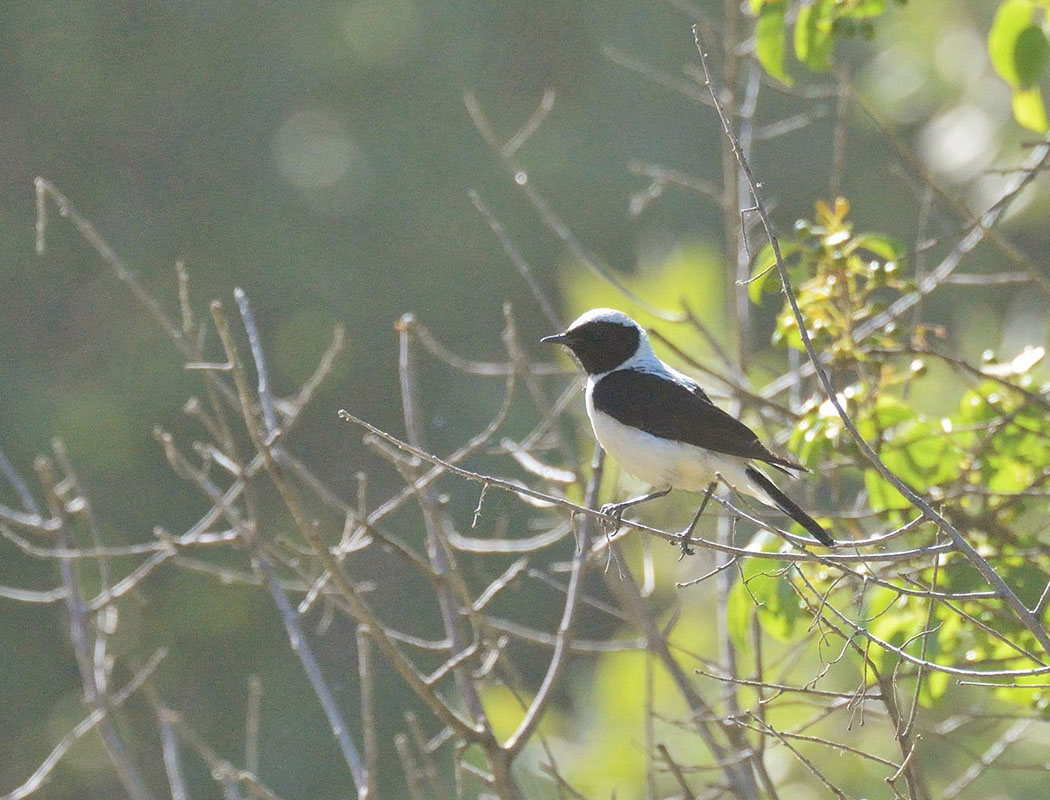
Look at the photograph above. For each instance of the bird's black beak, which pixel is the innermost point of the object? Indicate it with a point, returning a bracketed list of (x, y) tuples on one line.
[(558, 338)]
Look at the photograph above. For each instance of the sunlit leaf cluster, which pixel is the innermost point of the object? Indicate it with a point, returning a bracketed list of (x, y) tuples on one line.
[(986, 461), (842, 278), (817, 25), (1018, 43), (1019, 50)]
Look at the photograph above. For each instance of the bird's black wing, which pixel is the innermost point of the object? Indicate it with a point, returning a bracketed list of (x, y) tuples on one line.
[(672, 409)]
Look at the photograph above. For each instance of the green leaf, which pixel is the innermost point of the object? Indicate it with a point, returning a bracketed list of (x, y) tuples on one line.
[(882, 496), (1029, 110), (868, 8), (1013, 17), (884, 247), (769, 591), (980, 404), (771, 40), (890, 411), (1010, 476), (814, 42), (921, 455), (1031, 52), (889, 617)]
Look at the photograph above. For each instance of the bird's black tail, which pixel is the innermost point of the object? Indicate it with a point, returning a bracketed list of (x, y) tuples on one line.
[(788, 506)]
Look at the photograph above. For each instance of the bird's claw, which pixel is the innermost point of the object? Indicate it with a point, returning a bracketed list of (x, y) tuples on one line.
[(683, 540), (614, 510)]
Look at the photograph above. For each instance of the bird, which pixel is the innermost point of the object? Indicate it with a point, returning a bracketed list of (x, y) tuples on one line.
[(661, 426)]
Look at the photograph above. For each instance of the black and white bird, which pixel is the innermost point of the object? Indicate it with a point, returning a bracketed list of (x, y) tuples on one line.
[(661, 426)]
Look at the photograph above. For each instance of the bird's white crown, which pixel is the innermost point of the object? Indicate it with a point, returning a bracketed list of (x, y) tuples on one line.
[(605, 315)]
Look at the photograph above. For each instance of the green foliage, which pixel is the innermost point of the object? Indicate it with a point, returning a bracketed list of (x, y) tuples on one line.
[(817, 25), (1016, 450), (842, 278), (1019, 50), (1018, 43), (771, 40), (981, 461), (763, 589), (994, 439)]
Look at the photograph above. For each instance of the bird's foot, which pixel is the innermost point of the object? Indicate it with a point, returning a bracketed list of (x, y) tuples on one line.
[(614, 510), (683, 540)]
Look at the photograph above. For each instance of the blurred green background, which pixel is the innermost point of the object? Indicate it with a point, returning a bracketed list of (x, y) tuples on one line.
[(319, 154)]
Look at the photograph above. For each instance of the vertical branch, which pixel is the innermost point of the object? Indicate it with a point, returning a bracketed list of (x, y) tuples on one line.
[(758, 760), (255, 344), (370, 732), (408, 765), (264, 566), (79, 630), (21, 488), (739, 777), (736, 205), (723, 585), (563, 637), (172, 760), (440, 559), (252, 724), (730, 174), (301, 648)]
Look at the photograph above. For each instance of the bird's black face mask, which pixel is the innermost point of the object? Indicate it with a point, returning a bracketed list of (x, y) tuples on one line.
[(599, 346)]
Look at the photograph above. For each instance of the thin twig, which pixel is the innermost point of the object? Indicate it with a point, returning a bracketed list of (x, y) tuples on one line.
[(255, 345)]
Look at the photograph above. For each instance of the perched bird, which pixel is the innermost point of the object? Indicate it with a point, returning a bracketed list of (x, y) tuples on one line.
[(661, 426)]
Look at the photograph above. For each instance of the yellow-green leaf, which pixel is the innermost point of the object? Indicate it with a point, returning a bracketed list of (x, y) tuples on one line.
[(1010, 20), (767, 591), (882, 496), (884, 247), (813, 36), (1029, 109), (771, 40)]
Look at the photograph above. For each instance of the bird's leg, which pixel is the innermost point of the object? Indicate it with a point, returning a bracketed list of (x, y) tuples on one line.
[(683, 537), (616, 509)]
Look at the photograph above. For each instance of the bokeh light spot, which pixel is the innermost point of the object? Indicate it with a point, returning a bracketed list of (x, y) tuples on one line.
[(313, 150), (959, 143), (382, 32)]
